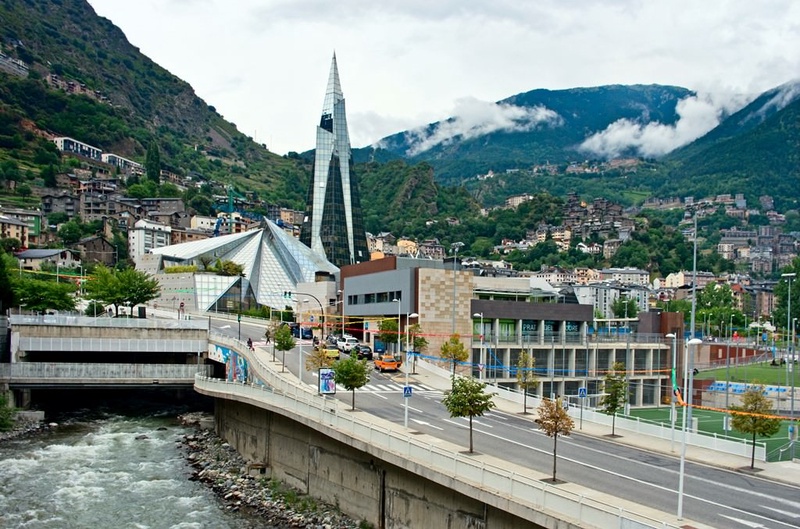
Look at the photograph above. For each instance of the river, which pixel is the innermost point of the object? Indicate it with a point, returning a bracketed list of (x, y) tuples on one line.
[(117, 472)]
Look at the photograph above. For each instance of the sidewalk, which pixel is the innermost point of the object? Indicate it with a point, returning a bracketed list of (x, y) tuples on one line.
[(784, 471)]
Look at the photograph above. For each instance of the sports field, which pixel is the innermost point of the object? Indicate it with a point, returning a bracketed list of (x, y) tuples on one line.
[(761, 373), (711, 423)]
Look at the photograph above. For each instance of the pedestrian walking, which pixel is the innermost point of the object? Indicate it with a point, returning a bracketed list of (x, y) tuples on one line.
[(250, 344), (267, 335)]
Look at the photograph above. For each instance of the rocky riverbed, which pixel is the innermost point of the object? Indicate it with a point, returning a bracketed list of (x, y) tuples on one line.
[(220, 467)]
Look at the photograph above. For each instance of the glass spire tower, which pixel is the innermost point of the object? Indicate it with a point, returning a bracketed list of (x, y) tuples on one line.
[(333, 224)]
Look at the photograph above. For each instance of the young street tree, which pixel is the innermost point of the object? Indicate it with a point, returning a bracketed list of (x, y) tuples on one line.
[(526, 376), (284, 341), (615, 387), (624, 307), (40, 296), (317, 359), (453, 350), (387, 332), (352, 374), (754, 416), (467, 399), (554, 421), (120, 288), (137, 287)]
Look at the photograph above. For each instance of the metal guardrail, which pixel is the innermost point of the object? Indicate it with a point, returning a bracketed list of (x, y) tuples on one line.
[(33, 343), (282, 392), (88, 321)]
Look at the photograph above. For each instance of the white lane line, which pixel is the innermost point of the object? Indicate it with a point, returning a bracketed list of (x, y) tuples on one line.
[(649, 484), (426, 424)]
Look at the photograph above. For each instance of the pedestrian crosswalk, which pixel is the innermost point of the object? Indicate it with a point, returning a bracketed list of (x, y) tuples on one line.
[(395, 388)]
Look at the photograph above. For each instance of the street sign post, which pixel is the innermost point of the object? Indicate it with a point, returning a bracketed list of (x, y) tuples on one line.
[(407, 391)]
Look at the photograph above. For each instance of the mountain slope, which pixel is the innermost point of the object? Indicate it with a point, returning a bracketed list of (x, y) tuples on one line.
[(754, 151), (67, 38), (535, 127)]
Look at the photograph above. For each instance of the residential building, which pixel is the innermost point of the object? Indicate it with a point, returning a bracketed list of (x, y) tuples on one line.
[(626, 276), (333, 225), (96, 249), (58, 257), (146, 236), (14, 228), (74, 146)]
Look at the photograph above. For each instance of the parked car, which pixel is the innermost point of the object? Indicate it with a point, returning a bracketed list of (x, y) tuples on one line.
[(362, 352), (297, 331)]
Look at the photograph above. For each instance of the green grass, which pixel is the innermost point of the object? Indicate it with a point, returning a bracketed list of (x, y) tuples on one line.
[(761, 373), (711, 423)]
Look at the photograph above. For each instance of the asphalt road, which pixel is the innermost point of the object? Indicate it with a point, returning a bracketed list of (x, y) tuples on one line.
[(713, 496)]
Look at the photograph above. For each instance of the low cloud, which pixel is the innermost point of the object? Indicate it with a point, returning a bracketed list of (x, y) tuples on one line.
[(697, 115), (786, 94), (474, 118)]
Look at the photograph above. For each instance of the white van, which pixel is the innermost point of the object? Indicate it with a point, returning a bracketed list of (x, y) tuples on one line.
[(346, 344)]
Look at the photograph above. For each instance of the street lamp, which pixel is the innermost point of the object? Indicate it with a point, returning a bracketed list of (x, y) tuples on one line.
[(455, 247), (340, 293), (396, 300), (672, 399), (408, 367), (728, 366), (688, 403), (300, 346), (482, 359)]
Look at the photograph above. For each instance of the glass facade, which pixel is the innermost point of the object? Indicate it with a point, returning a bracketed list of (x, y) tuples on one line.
[(333, 224)]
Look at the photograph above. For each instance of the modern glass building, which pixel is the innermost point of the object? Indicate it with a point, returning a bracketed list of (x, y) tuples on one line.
[(333, 224)]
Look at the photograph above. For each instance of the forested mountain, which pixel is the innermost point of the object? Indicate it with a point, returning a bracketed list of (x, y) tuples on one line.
[(121, 101), (536, 127), (757, 148)]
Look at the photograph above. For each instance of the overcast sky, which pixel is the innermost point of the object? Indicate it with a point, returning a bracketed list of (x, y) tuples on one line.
[(404, 63)]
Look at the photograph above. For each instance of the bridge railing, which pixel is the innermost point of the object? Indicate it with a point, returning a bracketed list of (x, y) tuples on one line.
[(89, 321), (283, 393), (27, 371)]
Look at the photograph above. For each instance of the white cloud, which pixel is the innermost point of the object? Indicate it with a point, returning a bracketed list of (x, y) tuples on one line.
[(409, 61), (473, 118), (697, 115)]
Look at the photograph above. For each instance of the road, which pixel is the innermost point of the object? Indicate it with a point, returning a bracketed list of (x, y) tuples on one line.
[(712, 495)]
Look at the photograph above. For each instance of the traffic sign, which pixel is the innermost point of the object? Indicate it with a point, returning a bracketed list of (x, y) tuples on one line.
[(406, 391), (311, 318), (181, 304), (582, 393)]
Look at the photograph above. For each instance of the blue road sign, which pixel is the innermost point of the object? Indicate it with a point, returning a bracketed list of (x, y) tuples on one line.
[(406, 391), (582, 393)]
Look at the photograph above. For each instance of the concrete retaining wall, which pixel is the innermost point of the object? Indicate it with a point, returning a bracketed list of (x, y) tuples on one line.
[(362, 486)]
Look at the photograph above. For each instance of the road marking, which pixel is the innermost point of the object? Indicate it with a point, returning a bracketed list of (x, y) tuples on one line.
[(748, 523), (641, 482), (785, 513), (426, 424)]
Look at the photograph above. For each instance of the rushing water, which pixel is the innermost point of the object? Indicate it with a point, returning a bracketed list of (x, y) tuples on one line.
[(99, 475)]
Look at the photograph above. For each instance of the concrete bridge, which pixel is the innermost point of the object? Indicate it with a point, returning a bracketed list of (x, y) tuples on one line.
[(65, 351), (379, 472)]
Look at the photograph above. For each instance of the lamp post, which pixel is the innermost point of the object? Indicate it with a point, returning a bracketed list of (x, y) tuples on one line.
[(300, 346), (455, 247), (794, 368), (396, 300), (405, 412), (340, 293), (481, 357), (688, 402), (672, 397), (693, 315), (728, 367), (789, 278)]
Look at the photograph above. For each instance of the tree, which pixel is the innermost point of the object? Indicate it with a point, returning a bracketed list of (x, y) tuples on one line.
[(317, 359), (388, 331), (70, 232), (755, 416), (615, 387), (526, 376), (137, 287), (554, 421), (48, 175), (104, 286), (419, 344), (624, 307), (40, 296), (453, 350), (467, 399), (352, 374), (6, 291), (10, 244), (152, 163), (284, 342), (24, 190)]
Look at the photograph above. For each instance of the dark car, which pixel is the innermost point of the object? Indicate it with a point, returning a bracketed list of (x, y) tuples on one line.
[(306, 332), (363, 352)]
